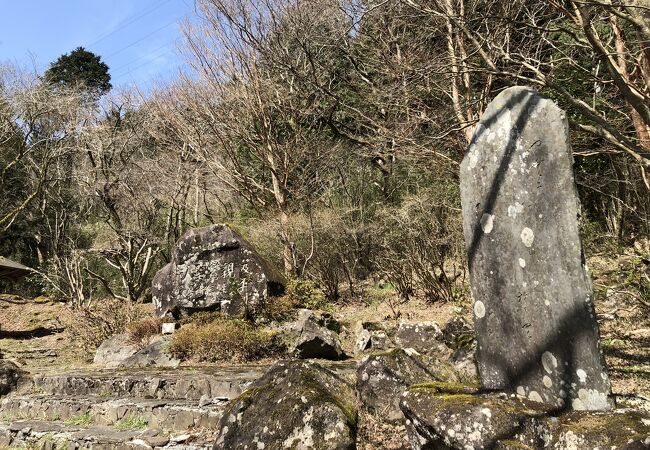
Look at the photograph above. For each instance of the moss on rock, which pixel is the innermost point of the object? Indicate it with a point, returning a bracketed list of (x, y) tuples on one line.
[(296, 404)]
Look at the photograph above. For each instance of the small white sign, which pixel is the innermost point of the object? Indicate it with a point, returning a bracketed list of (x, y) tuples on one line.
[(168, 328)]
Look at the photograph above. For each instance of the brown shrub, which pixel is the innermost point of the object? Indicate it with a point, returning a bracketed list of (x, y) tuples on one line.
[(279, 309), (222, 340), (90, 326), (141, 331), (203, 318)]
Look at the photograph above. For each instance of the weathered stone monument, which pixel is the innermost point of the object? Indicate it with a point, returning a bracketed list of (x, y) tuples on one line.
[(535, 322), (214, 269)]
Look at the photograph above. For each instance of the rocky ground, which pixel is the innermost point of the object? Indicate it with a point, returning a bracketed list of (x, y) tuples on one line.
[(67, 399)]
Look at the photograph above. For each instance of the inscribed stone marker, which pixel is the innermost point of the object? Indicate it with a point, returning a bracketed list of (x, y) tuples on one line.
[(535, 322)]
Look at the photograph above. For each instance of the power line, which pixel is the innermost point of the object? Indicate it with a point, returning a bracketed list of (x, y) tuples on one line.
[(132, 69), (142, 38), (160, 74), (150, 53), (129, 21)]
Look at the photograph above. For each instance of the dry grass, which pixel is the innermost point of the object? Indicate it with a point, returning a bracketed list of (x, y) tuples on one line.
[(374, 434), (141, 331), (222, 340)]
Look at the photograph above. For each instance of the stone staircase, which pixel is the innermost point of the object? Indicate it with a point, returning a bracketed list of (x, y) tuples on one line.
[(101, 409)]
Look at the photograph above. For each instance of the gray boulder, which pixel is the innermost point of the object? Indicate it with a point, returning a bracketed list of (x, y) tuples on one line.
[(316, 341), (371, 336), (458, 334), (424, 337), (363, 341), (533, 301), (114, 350), (441, 415), (154, 354), (440, 419), (313, 334), (214, 268), (10, 375), (619, 429), (296, 404), (383, 377)]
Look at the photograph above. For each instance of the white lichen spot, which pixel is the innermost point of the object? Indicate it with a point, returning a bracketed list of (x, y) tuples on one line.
[(486, 412), (547, 381), (487, 223), (577, 404), (549, 362), (535, 397), (522, 262), (527, 236), (515, 209), (591, 399), (479, 309), (473, 159), (582, 375)]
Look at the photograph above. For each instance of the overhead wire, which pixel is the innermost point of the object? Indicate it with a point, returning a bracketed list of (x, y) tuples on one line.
[(142, 38), (139, 15), (126, 65), (129, 21), (132, 69)]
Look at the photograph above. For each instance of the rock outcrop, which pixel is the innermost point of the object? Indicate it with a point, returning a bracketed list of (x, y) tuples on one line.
[(443, 415), (315, 335), (10, 375), (296, 404), (457, 419), (383, 377), (214, 268), (114, 350), (424, 337), (119, 351), (371, 336), (154, 354)]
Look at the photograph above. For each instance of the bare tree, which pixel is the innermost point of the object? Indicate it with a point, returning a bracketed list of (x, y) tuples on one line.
[(539, 42), (39, 126), (118, 173), (245, 117)]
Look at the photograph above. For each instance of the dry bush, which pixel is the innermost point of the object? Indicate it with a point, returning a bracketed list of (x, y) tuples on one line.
[(305, 294), (222, 340), (300, 293), (200, 318), (421, 246), (279, 309), (141, 331), (91, 326)]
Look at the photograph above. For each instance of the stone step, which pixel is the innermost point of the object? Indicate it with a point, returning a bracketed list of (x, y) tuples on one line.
[(168, 415), (179, 384), (42, 435)]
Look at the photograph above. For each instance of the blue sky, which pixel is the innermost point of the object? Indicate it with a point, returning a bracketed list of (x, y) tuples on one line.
[(138, 39)]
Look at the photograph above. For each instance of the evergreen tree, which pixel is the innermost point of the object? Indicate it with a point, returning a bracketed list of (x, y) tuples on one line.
[(80, 66)]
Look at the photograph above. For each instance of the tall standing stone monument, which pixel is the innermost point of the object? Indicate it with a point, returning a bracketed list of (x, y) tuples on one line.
[(533, 312)]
